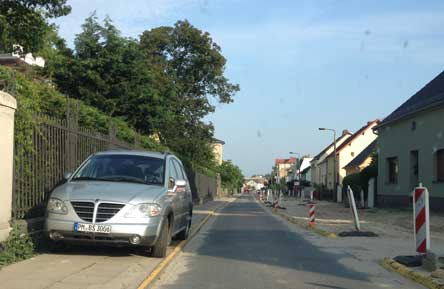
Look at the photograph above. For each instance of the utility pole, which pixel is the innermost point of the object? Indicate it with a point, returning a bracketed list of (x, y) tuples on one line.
[(298, 172)]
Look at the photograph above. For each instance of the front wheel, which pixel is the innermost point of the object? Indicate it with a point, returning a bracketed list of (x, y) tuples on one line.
[(185, 233), (160, 247)]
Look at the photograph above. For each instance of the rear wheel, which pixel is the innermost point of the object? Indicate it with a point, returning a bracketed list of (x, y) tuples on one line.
[(160, 247), (183, 235)]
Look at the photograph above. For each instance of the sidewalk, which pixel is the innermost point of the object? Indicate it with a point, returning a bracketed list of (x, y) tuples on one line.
[(394, 227), (91, 267), (398, 223)]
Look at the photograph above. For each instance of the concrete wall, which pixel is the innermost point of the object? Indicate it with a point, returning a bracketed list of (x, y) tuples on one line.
[(8, 106), (398, 140), (203, 187)]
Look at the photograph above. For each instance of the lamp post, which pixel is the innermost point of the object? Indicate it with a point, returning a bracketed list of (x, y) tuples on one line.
[(298, 161), (334, 157), (298, 173)]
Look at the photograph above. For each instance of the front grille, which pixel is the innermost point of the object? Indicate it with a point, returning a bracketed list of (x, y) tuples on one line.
[(106, 211), (84, 210)]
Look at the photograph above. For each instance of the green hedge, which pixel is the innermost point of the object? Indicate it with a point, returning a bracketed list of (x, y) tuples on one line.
[(39, 97), (359, 181)]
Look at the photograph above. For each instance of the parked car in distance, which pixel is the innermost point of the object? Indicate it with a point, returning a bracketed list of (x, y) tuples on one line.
[(132, 198)]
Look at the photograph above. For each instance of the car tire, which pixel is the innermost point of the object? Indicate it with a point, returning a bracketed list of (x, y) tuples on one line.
[(160, 247), (183, 235)]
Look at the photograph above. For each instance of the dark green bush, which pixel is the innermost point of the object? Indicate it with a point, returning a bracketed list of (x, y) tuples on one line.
[(17, 247)]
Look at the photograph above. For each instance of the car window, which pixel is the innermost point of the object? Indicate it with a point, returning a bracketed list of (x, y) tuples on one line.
[(179, 169), (121, 167), (173, 174)]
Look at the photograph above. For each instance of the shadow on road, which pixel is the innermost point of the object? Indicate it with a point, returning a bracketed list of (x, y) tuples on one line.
[(109, 250), (244, 231)]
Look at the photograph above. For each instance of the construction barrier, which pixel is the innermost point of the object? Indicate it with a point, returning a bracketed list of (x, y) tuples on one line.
[(270, 196), (421, 221), (351, 199), (311, 215)]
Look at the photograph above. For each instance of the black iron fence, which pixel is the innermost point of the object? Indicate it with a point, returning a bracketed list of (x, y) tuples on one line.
[(58, 146)]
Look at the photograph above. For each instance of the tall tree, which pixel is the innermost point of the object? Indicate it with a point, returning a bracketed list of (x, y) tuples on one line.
[(195, 66), (164, 84), (24, 22), (231, 175)]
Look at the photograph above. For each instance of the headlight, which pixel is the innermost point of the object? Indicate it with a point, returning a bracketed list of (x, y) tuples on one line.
[(143, 211), (57, 206)]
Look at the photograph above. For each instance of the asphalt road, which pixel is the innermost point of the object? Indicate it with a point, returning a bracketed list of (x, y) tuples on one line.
[(245, 246), (90, 267)]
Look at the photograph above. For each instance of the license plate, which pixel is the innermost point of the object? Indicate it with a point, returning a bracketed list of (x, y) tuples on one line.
[(92, 228)]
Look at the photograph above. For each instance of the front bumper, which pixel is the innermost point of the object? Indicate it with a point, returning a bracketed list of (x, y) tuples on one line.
[(120, 232)]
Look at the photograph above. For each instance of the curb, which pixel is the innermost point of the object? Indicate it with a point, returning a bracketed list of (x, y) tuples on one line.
[(167, 260), (392, 265), (318, 231)]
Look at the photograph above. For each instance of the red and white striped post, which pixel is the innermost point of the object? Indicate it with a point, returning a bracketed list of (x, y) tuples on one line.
[(311, 215), (421, 221)]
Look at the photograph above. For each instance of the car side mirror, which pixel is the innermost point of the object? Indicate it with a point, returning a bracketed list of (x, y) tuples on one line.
[(67, 175), (180, 186)]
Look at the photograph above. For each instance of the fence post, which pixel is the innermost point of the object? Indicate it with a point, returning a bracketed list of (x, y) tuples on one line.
[(8, 105), (112, 136), (72, 123), (136, 141)]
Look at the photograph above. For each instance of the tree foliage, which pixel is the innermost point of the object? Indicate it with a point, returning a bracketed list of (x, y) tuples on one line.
[(25, 22), (359, 181), (231, 176), (163, 84)]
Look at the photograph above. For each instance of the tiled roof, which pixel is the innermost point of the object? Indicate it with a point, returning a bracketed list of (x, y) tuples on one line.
[(362, 156), (306, 170), (356, 134), (327, 147), (430, 96), (218, 141), (291, 160)]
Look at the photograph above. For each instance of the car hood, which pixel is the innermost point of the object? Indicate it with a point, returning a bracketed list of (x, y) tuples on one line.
[(108, 191)]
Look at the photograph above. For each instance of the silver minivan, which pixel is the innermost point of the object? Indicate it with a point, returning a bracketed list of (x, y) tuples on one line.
[(132, 198)]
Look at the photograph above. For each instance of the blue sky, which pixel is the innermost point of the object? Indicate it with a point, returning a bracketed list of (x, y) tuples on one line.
[(300, 64)]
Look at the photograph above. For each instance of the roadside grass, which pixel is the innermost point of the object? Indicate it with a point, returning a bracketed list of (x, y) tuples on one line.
[(304, 225), (19, 246), (427, 281)]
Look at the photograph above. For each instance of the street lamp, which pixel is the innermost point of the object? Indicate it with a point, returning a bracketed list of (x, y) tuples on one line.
[(334, 156)]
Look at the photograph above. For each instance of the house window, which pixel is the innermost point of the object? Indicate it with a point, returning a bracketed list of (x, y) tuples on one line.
[(352, 154), (413, 125), (440, 165), (393, 169)]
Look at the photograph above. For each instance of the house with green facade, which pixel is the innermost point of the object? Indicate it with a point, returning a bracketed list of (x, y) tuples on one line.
[(411, 148)]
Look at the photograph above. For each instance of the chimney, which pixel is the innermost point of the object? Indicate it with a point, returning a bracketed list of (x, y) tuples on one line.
[(345, 131)]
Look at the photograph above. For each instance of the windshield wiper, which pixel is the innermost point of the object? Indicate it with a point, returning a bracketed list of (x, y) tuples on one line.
[(87, 179), (123, 179)]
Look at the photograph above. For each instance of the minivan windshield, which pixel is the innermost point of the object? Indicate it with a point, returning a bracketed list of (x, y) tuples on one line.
[(122, 168)]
